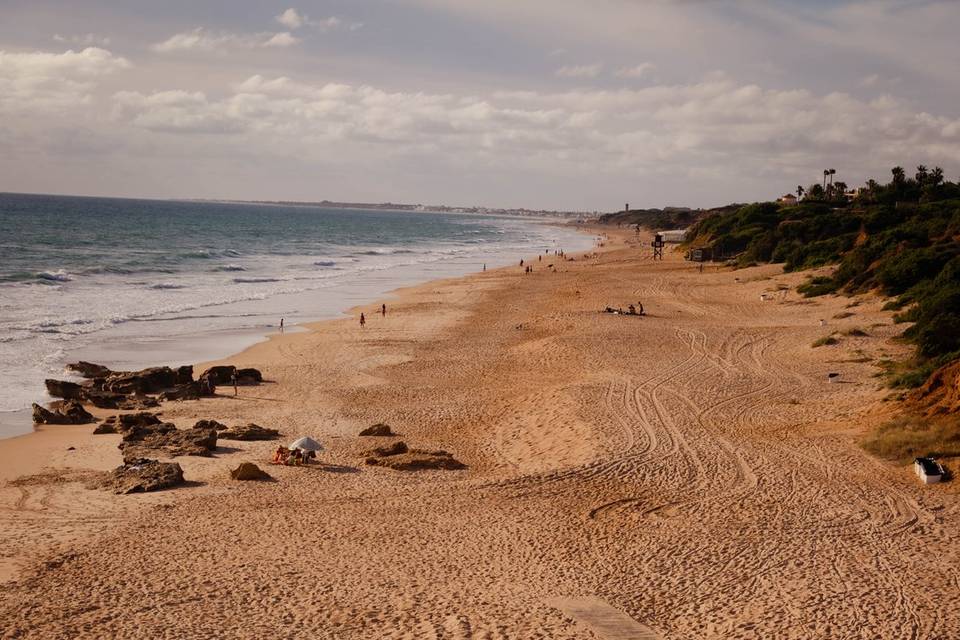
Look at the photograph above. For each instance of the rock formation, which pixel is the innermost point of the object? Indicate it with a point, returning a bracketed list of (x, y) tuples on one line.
[(249, 432), (249, 471), (71, 412), (379, 429), (141, 475)]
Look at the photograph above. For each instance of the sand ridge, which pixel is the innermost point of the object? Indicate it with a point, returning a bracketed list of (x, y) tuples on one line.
[(691, 468)]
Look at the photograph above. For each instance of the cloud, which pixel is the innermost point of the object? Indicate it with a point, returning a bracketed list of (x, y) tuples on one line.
[(201, 39), (717, 127), (53, 81), (291, 19), (637, 71), (579, 71), (86, 39)]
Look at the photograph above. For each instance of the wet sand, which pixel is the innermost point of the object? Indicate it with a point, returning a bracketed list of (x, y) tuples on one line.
[(692, 469)]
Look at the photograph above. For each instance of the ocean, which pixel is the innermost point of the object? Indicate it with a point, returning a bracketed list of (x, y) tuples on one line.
[(135, 283)]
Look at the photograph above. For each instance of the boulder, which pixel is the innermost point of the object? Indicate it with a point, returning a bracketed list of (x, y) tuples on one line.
[(104, 399), (152, 380), (379, 429), (185, 374), (219, 375), (64, 389), (188, 391), (249, 432), (249, 376), (394, 449), (89, 369), (141, 475), (416, 459), (210, 424), (137, 403), (249, 471), (68, 413), (139, 432), (124, 422), (187, 442)]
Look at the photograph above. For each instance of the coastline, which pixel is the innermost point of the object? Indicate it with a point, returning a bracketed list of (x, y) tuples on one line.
[(122, 350), (652, 462)]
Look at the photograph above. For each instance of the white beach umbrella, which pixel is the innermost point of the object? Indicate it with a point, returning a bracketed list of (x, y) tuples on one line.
[(306, 443)]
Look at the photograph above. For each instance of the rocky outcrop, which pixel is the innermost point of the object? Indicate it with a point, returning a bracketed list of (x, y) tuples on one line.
[(162, 439), (389, 450), (151, 380), (71, 412), (249, 376), (210, 424), (137, 403), (188, 391), (249, 471), (219, 375), (124, 422), (379, 429), (416, 459), (249, 432), (89, 369), (64, 389), (138, 475), (222, 375)]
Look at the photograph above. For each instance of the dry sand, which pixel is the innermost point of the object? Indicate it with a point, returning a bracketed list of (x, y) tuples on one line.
[(692, 469)]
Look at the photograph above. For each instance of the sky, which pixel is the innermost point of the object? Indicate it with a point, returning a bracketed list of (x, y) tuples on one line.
[(546, 104)]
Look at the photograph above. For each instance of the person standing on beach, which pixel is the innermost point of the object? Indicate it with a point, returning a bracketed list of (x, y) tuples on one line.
[(521, 262), (383, 310), (281, 325), (363, 321), (233, 378)]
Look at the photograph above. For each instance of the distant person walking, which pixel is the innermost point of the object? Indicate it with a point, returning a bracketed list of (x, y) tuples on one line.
[(233, 379), (521, 262), (281, 325), (484, 266), (363, 321), (383, 310)]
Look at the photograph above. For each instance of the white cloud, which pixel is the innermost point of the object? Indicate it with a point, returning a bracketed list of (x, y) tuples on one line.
[(291, 19), (714, 127), (42, 80), (86, 39), (637, 71), (579, 71), (201, 39)]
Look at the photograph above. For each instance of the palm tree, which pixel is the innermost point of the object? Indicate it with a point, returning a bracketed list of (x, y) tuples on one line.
[(832, 173), (937, 176), (899, 175), (799, 191), (826, 172), (922, 174), (840, 189)]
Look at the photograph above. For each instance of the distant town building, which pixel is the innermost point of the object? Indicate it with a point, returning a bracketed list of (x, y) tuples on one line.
[(787, 199)]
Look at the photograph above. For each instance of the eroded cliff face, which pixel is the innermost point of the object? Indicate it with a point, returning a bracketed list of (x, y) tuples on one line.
[(940, 394)]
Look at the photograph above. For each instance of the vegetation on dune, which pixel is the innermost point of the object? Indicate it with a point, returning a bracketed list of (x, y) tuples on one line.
[(908, 437), (901, 239), (662, 219)]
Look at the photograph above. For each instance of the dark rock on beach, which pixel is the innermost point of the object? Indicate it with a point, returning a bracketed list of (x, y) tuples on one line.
[(138, 475), (249, 432), (166, 439), (64, 389), (249, 376), (249, 471), (390, 450), (67, 413), (379, 429), (89, 369), (416, 459), (124, 422), (210, 424), (219, 375)]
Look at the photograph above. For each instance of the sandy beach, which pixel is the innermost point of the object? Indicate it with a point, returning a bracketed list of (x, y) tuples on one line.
[(692, 469)]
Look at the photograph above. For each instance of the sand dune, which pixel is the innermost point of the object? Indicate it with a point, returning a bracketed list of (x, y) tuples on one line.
[(692, 469)]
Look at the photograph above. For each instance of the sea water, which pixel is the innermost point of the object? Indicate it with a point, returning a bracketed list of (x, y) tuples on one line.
[(135, 283)]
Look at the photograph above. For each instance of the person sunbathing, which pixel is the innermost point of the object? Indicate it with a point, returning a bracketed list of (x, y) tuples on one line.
[(280, 455)]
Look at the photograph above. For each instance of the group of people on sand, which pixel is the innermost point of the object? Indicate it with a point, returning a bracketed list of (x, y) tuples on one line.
[(631, 310), (293, 458), (363, 318)]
